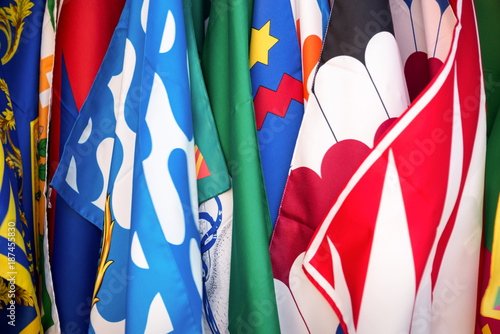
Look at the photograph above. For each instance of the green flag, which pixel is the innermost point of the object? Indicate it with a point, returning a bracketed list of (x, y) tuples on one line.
[(200, 9), (225, 61), (211, 171), (489, 30)]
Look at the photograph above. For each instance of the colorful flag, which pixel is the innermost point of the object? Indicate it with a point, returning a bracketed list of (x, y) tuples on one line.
[(129, 166), (83, 33), (337, 132), (19, 253), (225, 63), (424, 30), (50, 318), (398, 251), (276, 74), (489, 30)]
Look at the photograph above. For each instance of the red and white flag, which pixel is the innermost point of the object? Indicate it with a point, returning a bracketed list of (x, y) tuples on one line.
[(398, 251), (357, 90)]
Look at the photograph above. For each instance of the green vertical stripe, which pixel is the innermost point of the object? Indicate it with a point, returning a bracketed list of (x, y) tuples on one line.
[(47, 320), (489, 34), (205, 132), (50, 6), (252, 301)]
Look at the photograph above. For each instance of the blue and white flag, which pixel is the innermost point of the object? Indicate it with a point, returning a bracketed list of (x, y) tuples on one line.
[(129, 168)]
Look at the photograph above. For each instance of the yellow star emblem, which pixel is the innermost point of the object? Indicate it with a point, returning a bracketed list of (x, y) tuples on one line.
[(261, 42)]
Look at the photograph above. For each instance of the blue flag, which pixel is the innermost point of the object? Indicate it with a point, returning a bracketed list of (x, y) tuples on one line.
[(276, 73), (19, 249), (129, 168)]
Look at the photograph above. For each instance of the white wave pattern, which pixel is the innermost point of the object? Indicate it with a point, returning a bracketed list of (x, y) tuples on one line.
[(144, 15), (158, 318), (119, 85), (159, 117), (168, 38), (103, 326), (137, 254), (86, 132), (71, 175), (104, 163)]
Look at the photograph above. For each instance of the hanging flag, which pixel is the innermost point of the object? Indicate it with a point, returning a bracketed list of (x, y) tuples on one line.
[(311, 19), (83, 33), (489, 30), (276, 74), (200, 10), (337, 132), (407, 261), (225, 63), (19, 253), (214, 196), (211, 171), (129, 167), (50, 318), (424, 30)]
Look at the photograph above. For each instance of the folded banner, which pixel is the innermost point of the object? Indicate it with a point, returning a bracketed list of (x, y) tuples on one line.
[(357, 91), (20, 34), (211, 171), (276, 74), (406, 229), (129, 168), (74, 241), (225, 63)]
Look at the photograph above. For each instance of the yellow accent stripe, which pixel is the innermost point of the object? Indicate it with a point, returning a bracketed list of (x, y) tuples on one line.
[(34, 187), (23, 277), (34, 327), (199, 161), (11, 217), (486, 329), (490, 295)]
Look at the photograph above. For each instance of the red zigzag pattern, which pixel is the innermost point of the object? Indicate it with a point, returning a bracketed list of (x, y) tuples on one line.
[(276, 102)]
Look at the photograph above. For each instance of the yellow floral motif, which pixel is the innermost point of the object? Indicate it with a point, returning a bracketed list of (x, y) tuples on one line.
[(7, 121), (12, 24), (21, 295), (7, 124), (4, 293), (106, 245)]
